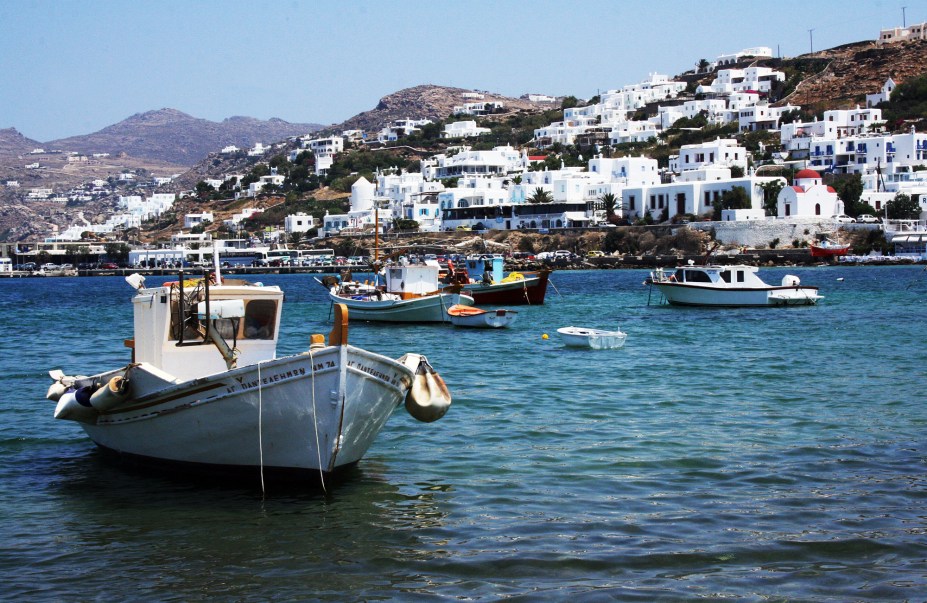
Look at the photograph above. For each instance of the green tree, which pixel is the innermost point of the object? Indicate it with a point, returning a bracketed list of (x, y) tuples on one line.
[(771, 191), (735, 198), (609, 200), (540, 196), (569, 102), (204, 190), (903, 207), (849, 188)]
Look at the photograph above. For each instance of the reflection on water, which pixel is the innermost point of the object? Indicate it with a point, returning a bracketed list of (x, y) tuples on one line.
[(773, 453)]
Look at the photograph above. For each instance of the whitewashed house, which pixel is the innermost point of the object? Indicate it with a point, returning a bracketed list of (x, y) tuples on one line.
[(693, 192), (918, 31), (883, 95), (324, 151), (757, 52), (465, 162), (719, 152), (298, 222), (463, 129), (194, 220)]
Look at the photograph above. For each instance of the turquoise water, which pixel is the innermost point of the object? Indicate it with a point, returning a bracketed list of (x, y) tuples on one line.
[(752, 453)]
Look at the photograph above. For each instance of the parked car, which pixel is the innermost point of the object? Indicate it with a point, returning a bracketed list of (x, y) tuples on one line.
[(108, 266), (842, 219), (867, 219)]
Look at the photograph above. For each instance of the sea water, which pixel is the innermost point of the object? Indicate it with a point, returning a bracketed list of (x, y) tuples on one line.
[(770, 453)]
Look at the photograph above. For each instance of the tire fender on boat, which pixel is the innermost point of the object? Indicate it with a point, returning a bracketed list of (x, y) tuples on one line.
[(111, 394), (428, 397)]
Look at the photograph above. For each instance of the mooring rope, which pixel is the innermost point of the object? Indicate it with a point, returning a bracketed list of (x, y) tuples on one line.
[(315, 423), (261, 428)]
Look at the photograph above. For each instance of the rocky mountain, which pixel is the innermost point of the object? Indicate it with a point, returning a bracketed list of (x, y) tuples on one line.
[(14, 143), (854, 70), (424, 102), (175, 137)]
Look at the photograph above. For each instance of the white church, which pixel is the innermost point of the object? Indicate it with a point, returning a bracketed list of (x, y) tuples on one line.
[(808, 197)]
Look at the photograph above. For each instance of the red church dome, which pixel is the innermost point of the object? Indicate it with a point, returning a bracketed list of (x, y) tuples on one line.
[(806, 174)]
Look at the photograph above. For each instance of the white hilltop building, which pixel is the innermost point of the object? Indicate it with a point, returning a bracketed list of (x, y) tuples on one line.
[(808, 197), (478, 108), (466, 162), (797, 138), (719, 152), (298, 223), (882, 95), (729, 81), (917, 31), (758, 52), (273, 179), (463, 129), (400, 129), (194, 220), (608, 120), (324, 151)]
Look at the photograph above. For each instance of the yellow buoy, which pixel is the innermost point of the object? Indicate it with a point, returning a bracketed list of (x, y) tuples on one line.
[(544, 336)]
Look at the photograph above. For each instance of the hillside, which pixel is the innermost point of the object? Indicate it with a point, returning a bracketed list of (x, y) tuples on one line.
[(854, 70), (14, 143), (423, 102), (174, 137)]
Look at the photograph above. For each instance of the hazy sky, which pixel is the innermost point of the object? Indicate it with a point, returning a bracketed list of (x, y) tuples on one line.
[(70, 67)]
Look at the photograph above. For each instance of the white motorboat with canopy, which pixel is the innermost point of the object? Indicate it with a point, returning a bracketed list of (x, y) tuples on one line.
[(205, 387), (730, 286)]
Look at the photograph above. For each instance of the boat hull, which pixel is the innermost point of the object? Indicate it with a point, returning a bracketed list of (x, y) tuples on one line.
[(682, 294), (481, 319), (430, 308), (530, 291), (828, 252), (305, 412), (595, 339)]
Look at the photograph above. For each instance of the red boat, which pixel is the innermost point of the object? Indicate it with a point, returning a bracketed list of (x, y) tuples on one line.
[(518, 288), (491, 288), (828, 249)]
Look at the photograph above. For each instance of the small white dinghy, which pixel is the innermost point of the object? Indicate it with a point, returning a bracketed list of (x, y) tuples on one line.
[(596, 339), (469, 316)]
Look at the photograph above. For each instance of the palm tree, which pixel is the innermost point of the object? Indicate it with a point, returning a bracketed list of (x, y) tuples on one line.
[(609, 200), (541, 196)]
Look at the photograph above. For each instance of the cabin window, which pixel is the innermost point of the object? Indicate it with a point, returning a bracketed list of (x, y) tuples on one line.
[(260, 319), (726, 276), (740, 276), (697, 276)]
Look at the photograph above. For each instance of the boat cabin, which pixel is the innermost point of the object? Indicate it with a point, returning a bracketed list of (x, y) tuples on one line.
[(170, 326), (720, 276), (414, 280)]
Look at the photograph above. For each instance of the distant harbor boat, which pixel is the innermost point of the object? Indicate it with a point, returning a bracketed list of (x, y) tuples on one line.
[(729, 286)]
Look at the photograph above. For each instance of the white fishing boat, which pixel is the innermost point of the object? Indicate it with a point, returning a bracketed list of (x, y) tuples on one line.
[(409, 293), (205, 388), (471, 316), (597, 339), (729, 286)]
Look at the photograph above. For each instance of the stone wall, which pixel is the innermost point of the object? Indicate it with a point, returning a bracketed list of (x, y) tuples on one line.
[(759, 233)]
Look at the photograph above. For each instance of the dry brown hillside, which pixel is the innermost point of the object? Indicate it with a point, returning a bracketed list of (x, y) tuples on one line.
[(856, 70)]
